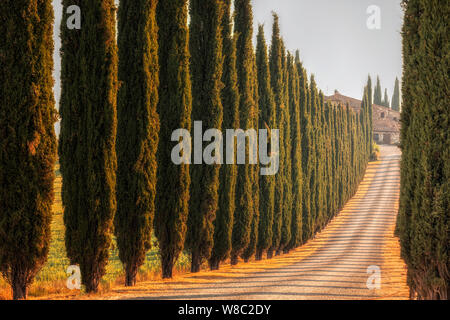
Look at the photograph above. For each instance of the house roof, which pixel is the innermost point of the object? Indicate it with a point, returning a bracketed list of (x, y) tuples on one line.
[(390, 122)]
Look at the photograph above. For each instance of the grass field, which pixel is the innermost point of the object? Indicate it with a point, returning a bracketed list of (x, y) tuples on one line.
[(52, 278)]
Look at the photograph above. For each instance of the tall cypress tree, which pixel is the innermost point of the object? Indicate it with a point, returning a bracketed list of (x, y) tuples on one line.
[(370, 113), (137, 132), (27, 139), (243, 217), (174, 109), (306, 136), (266, 121), (206, 70), (424, 219), (395, 104), (386, 102), (251, 248), (276, 79), (378, 94), (285, 133), (88, 136), (295, 156), (223, 224)]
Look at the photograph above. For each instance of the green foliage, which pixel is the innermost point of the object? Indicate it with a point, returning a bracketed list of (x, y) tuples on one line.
[(27, 139), (423, 221), (88, 136), (223, 224), (137, 132), (395, 105), (276, 79), (174, 109), (266, 121), (296, 180), (377, 96), (386, 102), (245, 65), (206, 71)]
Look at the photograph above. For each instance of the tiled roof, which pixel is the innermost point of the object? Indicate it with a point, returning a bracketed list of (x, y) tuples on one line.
[(390, 122)]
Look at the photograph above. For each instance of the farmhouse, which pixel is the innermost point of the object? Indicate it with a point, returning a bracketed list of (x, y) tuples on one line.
[(386, 122)]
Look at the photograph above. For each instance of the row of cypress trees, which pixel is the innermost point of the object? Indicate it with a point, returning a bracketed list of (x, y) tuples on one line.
[(423, 222), (122, 97)]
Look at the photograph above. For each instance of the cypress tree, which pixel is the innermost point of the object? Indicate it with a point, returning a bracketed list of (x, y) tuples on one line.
[(296, 157), (206, 70), (137, 132), (28, 143), (370, 113), (251, 248), (243, 217), (386, 102), (266, 121), (423, 222), (306, 140), (377, 95), (396, 96), (88, 136), (223, 224), (276, 79), (174, 109), (285, 166)]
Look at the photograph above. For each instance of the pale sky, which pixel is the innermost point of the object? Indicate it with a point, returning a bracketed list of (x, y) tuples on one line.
[(333, 38)]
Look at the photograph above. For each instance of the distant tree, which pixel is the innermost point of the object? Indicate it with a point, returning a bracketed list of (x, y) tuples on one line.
[(137, 132), (386, 102), (396, 96), (174, 109), (27, 139), (377, 96), (266, 121), (223, 224), (206, 70), (88, 137), (243, 217)]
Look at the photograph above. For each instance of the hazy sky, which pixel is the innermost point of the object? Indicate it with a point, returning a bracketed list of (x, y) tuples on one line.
[(333, 38)]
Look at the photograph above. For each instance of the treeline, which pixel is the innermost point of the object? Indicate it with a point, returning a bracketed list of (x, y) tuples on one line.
[(423, 222), (121, 100)]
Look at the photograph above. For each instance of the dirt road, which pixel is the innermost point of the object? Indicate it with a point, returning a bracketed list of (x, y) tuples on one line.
[(332, 266)]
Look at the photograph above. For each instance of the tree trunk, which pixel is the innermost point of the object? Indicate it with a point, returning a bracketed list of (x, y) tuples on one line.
[(130, 276), (270, 253), (258, 254), (234, 259), (196, 261), (214, 264), (19, 287), (166, 267)]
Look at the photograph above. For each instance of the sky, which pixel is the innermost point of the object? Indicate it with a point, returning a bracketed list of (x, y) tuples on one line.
[(332, 36)]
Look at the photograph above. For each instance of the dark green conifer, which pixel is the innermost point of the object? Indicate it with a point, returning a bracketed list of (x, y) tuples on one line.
[(174, 108), (245, 65), (137, 132), (223, 224), (276, 79), (88, 136), (266, 121), (395, 104), (27, 139), (206, 70)]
